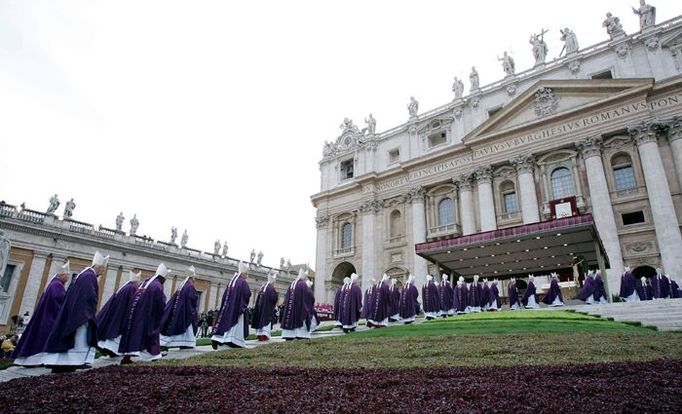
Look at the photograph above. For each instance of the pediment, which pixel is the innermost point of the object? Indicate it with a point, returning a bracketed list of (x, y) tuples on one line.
[(672, 40), (549, 100)]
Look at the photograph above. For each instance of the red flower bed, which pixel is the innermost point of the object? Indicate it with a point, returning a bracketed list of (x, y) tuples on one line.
[(599, 388)]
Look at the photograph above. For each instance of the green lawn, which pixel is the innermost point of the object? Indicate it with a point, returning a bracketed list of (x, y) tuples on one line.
[(488, 339)]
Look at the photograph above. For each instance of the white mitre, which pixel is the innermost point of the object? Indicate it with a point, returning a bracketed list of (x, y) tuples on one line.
[(65, 268), (99, 260), (192, 271), (243, 267), (134, 277), (162, 270)]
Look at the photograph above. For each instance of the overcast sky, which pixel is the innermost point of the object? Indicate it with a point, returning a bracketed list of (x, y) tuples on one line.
[(210, 116)]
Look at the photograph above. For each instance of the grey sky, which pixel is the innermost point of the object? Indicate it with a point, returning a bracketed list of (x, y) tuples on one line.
[(211, 116)]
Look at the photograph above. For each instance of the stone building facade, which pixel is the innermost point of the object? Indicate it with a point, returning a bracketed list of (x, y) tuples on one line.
[(599, 128), (37, 243)]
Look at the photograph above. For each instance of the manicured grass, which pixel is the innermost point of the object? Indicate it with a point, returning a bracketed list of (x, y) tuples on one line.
[(491, 339)]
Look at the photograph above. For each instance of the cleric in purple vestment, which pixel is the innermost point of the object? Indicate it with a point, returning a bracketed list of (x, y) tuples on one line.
[(628, 286), (445, 295), (72, 341), (111, 318), (231, 327), (141, 333), (494, 303), (587, 291), (264, 311), (459, 297), (368, 302), (514, 303), (313, 321), (674, 289), (296, 310), (29, 350), (644, 289), (660, 285), (409, 303), (381, 310), (180, 319), (529, 298), (474, 299), (430, 301), (599, 290), (485, 295), (553, 296), (350, 305), (338, 300), (394, 301)]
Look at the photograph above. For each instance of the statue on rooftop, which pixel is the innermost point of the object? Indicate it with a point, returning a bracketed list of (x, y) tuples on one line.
[(225, 249), (119, 221), (570, 41), (260, 258), (458, 88), (134, 224), (183, 240), (413, 108), (174, 235), (473, 79), (54, 204), (253, 255), (613, 26), (68, 208), (371, 125), (647, 15), (216, 248), (539, 47), (508, 65)]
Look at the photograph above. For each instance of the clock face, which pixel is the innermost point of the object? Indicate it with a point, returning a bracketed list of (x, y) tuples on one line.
[(347, 141)]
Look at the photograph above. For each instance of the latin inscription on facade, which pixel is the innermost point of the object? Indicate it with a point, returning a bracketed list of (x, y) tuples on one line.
[(537, 136)]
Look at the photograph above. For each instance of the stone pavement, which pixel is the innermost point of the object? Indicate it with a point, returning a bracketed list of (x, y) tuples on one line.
[(663, 314)]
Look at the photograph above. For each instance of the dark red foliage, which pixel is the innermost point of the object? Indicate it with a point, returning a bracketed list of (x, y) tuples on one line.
[(598, 388)]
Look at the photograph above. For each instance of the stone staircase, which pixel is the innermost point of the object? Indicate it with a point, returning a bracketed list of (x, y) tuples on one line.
[(663, 314)]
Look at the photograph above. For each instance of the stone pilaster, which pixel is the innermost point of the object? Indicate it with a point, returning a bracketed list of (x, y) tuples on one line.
[(602, 210), (486, 203), (525, 164), (415, 197), (369, 208), (674, 133), (212, 292), (323, 251), (466, 197), (28, 301), (665, 219)]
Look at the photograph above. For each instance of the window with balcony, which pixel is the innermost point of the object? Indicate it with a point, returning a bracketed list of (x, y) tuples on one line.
[(562, 183)]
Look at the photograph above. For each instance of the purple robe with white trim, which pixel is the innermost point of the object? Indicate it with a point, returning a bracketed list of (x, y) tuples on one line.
[(181, 311), (644, 291), (530, 291), (141, 332), (409, 306), (587, 289), (111, 318), (674, 290), (661, 286), (235, 303), (485, 294), (474, 299), (599, 290), (380, 310), (264, 311), (553, 292), (394, 300), (351, 305), (337, 302), (445, 296), (430, 297), (368, 302), (494, 296), (296, 313), (627, 284), (79, 308), (35, 335), (513, 295), (459, 298)]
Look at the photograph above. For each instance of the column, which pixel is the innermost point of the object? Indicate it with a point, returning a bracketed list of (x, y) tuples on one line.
[(33, 283), (369, 209), (675, 140), (486, 203), (466, 198), (602, 210), (212, 293), (665, 220), (109, 282), (529, 199), (321, 254), (416, 198)]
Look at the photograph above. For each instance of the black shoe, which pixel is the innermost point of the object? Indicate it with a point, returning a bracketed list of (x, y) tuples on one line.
[(214, 344)]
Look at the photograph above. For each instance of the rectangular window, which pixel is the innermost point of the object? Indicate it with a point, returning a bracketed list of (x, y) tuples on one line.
[(7, 278), (624, 177), (394, 156), (511, 204), (346, 170), (607, 74), (633, 218), (437, 139)]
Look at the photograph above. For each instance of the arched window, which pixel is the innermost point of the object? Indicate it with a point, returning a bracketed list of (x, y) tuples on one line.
[(396, 224), (509, 199), (446, 212), (346, 236), (623, 173), (562, 183)]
